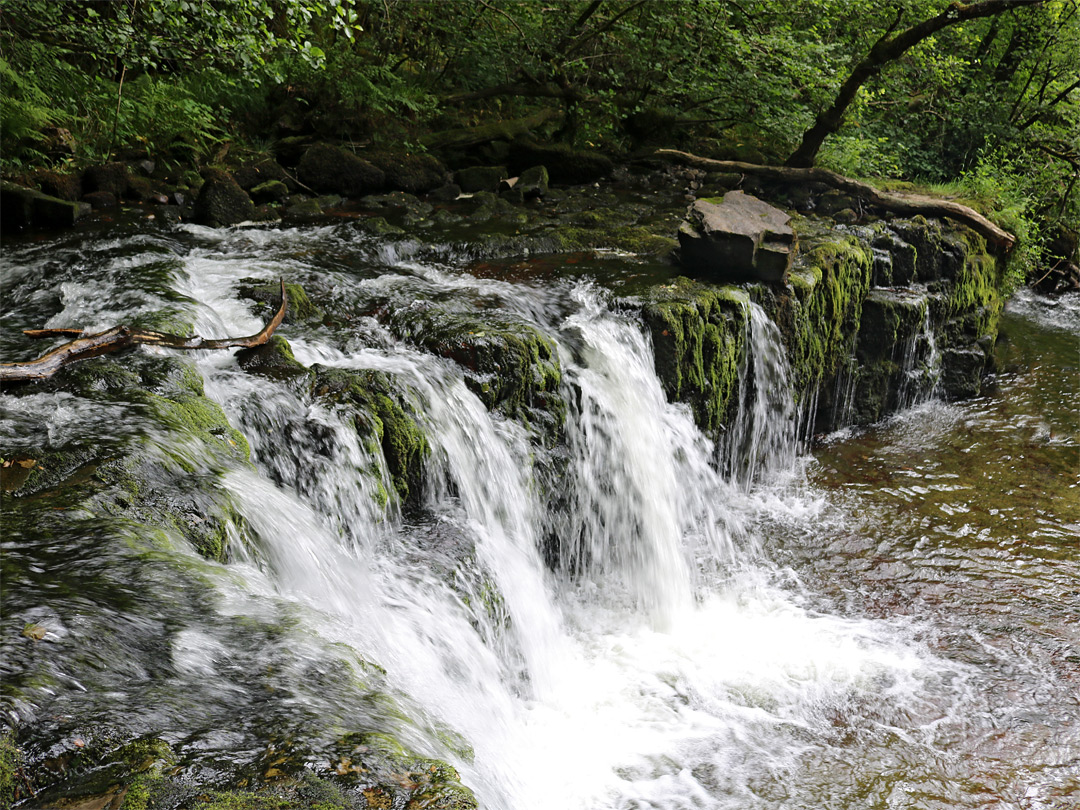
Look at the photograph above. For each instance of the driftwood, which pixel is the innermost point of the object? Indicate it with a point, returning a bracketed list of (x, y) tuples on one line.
[(908, 204), (85, 346)]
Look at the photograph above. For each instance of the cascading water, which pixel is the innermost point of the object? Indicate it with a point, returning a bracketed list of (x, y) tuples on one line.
[(763, 435), (627, 632)]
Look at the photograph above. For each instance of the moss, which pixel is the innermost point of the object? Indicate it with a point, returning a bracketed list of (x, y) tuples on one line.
[(10, 760), (385, 421), (630, 238), (698, 334), (820, 313), (300, 308), (511, 366)]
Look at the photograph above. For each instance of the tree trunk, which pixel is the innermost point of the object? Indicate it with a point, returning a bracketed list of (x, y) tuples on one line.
[(887, 49)]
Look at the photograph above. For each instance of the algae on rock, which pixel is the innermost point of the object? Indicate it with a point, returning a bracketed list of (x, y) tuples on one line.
[(698, 335)]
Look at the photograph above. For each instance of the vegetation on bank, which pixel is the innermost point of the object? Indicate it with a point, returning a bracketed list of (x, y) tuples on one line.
[(984, 96)]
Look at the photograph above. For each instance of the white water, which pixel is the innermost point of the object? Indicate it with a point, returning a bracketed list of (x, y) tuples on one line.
[(666, 663)]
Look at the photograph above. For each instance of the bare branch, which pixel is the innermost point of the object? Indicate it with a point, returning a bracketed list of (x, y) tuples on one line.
[(85, 346)]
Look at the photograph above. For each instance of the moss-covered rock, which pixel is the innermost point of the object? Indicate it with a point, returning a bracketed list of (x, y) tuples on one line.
[(698, 334), (412, 173), (564, 163), (166, 479), (820, 310), (512, 366), (383, 419), (331, 169), (221, 201), (267, 294)]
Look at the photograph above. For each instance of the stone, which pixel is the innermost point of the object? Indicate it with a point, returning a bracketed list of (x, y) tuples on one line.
[(221, 201), (261, 172), (100, 200), (480, 178), (962, 372), (22, 207), (270, 191), (533, 182), (331, 170), (415, 174), (564, 164), (738, 239), (447, 193), (111, 177)]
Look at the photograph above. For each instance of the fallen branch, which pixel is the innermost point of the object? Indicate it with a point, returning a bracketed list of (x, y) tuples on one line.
[(908, 204), (85, 346)]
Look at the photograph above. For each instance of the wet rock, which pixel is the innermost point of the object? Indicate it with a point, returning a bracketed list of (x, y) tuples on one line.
[(480, 178), (698, 334), (304, 208), (738, 239), (101, 199), (408, 172), (270, 191), (382, 417), (832, 202), (268, 296), (533, 182), (256, 173), (58, 184), (900, 268), (446, 193), (221, 201), (962, 372), (22, 207), (331, 169)]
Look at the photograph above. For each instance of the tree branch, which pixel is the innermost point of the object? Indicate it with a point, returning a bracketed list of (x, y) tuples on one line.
[(85, 346), (898, 203)]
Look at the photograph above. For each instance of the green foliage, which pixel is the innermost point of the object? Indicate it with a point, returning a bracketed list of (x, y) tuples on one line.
[(24, 112)]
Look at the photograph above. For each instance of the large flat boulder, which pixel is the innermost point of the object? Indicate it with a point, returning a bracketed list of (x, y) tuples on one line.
[(740, 238)]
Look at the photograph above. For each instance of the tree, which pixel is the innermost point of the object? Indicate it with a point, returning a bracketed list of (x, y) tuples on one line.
[(890, 47)]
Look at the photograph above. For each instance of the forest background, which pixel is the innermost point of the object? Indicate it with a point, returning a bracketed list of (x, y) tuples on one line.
[(983, 106)]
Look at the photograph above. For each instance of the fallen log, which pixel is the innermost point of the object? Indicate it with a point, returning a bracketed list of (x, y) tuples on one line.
[(898, 203), (85, 346)]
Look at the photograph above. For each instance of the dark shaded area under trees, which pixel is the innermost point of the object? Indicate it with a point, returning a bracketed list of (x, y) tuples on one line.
[(978, 103)]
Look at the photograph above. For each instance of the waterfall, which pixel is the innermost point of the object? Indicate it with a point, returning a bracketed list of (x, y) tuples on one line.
[(594, 625), (762, 437)]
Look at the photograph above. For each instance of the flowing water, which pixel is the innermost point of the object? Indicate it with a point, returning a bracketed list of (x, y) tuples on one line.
[(892, 620)]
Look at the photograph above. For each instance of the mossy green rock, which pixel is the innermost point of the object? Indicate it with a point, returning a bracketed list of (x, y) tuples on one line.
[(820, 310), (383, 418), (268, 295), (165, 480), (699, 334), (512, 366)]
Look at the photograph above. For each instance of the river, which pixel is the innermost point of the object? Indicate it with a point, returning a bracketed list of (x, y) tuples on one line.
[(885, 617)]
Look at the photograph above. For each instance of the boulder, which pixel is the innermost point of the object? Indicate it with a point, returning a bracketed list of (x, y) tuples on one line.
[(111, 177), (221, 201), (330, 169), (533, 182), (260, 172), (480, 178), (739, 238), (22, 207), (270, 191), (408, 172), (565, 164)]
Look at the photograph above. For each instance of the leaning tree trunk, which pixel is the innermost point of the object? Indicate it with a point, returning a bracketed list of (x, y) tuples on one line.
[(887, 49)]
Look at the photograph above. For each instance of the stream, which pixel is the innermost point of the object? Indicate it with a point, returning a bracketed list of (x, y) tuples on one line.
[(885, 617)]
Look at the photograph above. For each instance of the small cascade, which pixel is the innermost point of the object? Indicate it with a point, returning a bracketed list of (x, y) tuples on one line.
[(762, 438), (639, 474), (920, 365)]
